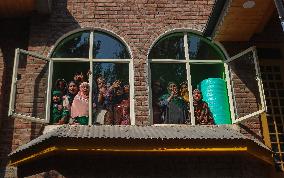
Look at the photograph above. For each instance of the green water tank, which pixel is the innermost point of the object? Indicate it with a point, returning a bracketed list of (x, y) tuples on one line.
[(214, 92)]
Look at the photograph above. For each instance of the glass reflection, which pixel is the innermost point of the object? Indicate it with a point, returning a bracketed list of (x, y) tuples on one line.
[(74, 46), (111, 94), (199, 49), (169, 47), (170, 99), (107, 47)]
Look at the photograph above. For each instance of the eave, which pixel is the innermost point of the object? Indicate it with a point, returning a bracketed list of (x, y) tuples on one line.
[(175, 140), (24, 8), (236, 23)]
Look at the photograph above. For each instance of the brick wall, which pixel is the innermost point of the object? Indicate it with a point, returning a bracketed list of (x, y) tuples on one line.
[(139, 23), (14, 33)]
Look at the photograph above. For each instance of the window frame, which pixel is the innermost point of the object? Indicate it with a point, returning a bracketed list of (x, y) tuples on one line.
[(11, 110), (90, 59), (259, 82), (188, 62)]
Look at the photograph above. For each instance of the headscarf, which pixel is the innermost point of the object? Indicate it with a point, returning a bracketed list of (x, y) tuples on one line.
[(80, 106), (193, 93), (202, 111), (184, 95)]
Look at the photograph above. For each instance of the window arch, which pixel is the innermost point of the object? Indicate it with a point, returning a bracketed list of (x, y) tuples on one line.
[(104, 61), (187, 61)]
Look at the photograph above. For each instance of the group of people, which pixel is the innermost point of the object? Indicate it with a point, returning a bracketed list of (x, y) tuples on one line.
[(111, 105), (172, 106), (70, 102)]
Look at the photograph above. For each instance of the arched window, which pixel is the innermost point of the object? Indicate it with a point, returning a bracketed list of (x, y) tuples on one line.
[(104, 62), (180, 63)]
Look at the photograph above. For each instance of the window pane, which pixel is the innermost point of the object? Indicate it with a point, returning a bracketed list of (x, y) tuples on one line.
[(169, 47), (213, 88), (74, 46), (111, 94), (108, 47), (31, 86), (200, 49), (167, 80), (69, 102), (245, 85)]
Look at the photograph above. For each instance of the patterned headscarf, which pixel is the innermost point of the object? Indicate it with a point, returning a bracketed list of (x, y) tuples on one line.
[(197, 91)]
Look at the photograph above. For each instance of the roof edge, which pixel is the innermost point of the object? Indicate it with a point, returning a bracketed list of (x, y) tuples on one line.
[(241, 146), (216, 16)]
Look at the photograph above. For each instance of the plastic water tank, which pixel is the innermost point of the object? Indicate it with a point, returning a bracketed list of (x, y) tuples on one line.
[(214, 92)]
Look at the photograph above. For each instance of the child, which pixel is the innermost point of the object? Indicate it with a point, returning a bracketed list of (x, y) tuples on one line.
[(58, 113), (80, 106), (70, 95)]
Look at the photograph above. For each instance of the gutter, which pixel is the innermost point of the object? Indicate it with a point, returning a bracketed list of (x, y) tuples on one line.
[(280, 8)]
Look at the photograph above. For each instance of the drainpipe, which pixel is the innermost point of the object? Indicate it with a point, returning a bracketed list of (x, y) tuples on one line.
[(280, 8)]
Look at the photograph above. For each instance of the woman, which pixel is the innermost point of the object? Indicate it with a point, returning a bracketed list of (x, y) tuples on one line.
[(202, 113), (174, 109), (80, 106)]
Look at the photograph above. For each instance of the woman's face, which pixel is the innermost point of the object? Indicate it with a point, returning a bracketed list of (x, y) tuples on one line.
[(61, 85), (100, 83), (183, 88), (126, 88), (173, 88), (196, 96), (85, 89), (56, 99), (73, 88)]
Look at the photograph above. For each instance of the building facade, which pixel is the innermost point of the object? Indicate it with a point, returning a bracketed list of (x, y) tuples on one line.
[(140, 43)]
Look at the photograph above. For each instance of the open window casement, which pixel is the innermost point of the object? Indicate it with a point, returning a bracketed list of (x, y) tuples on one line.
[(247, 89), (30, 89)]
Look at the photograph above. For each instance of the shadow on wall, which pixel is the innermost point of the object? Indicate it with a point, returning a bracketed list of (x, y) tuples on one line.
[(35, 33)]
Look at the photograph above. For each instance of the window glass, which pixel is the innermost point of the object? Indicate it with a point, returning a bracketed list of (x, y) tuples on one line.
[(30, 87), (170, 99), (169, 47), (201, 49), (74, 46), (69, 98), (111, 94), (109, 101), (108, 47), (168, 75), (209, 79)]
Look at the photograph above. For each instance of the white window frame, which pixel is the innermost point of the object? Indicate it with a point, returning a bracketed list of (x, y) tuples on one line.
[(259, 82), (11, 111), (187, 61), (91, 60)]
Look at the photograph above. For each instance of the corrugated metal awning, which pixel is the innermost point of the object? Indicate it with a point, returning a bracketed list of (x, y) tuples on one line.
[(167, 138)]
